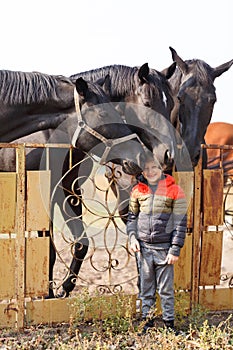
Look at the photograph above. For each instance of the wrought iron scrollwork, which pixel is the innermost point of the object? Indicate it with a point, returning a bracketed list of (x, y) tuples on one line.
[(108, 256)]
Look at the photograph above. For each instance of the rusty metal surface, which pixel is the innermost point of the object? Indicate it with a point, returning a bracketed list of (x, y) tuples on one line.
[(8, 202), (211, 258), (212, 197)]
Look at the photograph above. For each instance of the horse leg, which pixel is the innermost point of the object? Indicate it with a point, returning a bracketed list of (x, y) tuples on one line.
[(72, 214), (79, 251), (52, 259)]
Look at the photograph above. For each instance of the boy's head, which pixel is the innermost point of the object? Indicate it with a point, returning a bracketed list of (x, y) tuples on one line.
[(152, 171)]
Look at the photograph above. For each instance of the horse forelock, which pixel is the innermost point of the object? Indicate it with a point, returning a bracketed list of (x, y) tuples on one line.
[(98, 92), (32, 87), (201, 71)]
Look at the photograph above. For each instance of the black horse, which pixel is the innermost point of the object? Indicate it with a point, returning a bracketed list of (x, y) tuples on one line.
[(32, 101), (135, 88), (194, 94), (104, 122)]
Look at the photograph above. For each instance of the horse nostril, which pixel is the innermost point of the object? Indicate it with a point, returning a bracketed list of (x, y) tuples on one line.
[(147, 104)]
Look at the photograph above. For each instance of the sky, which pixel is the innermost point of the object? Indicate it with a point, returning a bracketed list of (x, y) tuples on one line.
[(72, 36)]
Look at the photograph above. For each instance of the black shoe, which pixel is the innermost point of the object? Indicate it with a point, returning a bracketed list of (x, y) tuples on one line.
[(169, 325), (149, 324)]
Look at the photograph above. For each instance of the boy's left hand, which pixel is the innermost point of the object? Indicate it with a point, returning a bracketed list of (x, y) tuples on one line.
[(171, 259)]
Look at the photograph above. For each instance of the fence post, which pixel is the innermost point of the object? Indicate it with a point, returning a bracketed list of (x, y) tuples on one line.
[(197, 227), (20, 234)]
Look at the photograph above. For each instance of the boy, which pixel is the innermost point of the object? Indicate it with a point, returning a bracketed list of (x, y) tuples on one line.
[(156, 228)]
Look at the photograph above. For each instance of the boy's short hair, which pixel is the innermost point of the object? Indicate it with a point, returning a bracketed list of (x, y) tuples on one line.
[(149, 157)]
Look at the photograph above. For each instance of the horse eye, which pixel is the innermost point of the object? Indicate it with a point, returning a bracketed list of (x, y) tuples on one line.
[(178, 98), (103, 114), (140, 89)]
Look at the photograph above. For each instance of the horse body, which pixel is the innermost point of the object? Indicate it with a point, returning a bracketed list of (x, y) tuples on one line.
[(220, 133), (194, 94), (99, 119)]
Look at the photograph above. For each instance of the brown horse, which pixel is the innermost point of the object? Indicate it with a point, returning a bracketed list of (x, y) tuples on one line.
[(220, 134)]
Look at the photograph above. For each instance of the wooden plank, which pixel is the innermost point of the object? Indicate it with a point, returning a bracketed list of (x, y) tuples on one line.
[(218, 299), (37, 266), (182, 267), (211, 257), (213, 197), (8, 314), (7, 268), (61, 310), (8, 202), (38, 200), (186, 181)]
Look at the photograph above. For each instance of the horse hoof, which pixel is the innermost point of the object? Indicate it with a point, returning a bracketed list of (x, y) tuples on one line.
[(63, 294)]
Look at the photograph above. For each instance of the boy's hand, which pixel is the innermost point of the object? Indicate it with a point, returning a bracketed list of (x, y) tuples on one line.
[(171, 259), (134, 245)]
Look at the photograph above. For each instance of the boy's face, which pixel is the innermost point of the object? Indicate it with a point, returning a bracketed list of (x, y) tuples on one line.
[(151, 172)]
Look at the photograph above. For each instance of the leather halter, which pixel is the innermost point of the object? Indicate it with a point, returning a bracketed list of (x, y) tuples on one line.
[(109, 143)]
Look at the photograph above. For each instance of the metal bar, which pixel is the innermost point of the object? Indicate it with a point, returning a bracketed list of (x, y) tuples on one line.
[(20, 235), (226, 147), (197, 227), (35, 145)]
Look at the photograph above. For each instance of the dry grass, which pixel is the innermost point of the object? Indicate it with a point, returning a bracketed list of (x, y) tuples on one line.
[(215, 332)]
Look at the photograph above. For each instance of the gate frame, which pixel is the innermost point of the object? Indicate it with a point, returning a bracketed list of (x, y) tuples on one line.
[(195, 295)]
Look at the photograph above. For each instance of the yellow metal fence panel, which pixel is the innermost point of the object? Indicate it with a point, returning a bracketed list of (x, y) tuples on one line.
[(211, 256), (185, 180), (213, 197), (38, 200), (182, 267), (8, 314), (37, 266), (61, 310), (216, 299), (8, 202), (7, 268)]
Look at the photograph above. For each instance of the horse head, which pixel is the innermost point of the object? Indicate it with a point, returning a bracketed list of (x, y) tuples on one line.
[(194, 94), (152, 89), (133, 88), (102, 131)]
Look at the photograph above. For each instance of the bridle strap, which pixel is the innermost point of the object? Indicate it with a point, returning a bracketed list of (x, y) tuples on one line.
[(109, 143)]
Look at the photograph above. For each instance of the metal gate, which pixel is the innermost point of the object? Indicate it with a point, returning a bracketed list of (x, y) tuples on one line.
[(24, 257)]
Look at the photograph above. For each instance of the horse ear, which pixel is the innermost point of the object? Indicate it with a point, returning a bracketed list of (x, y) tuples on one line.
[(221, 69), (176, 58), (81, 87), (143, 72), (168, 72), (105, 83)]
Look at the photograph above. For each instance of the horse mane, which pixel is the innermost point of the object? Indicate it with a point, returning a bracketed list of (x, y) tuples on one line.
[(122, 78), (26, 88)]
